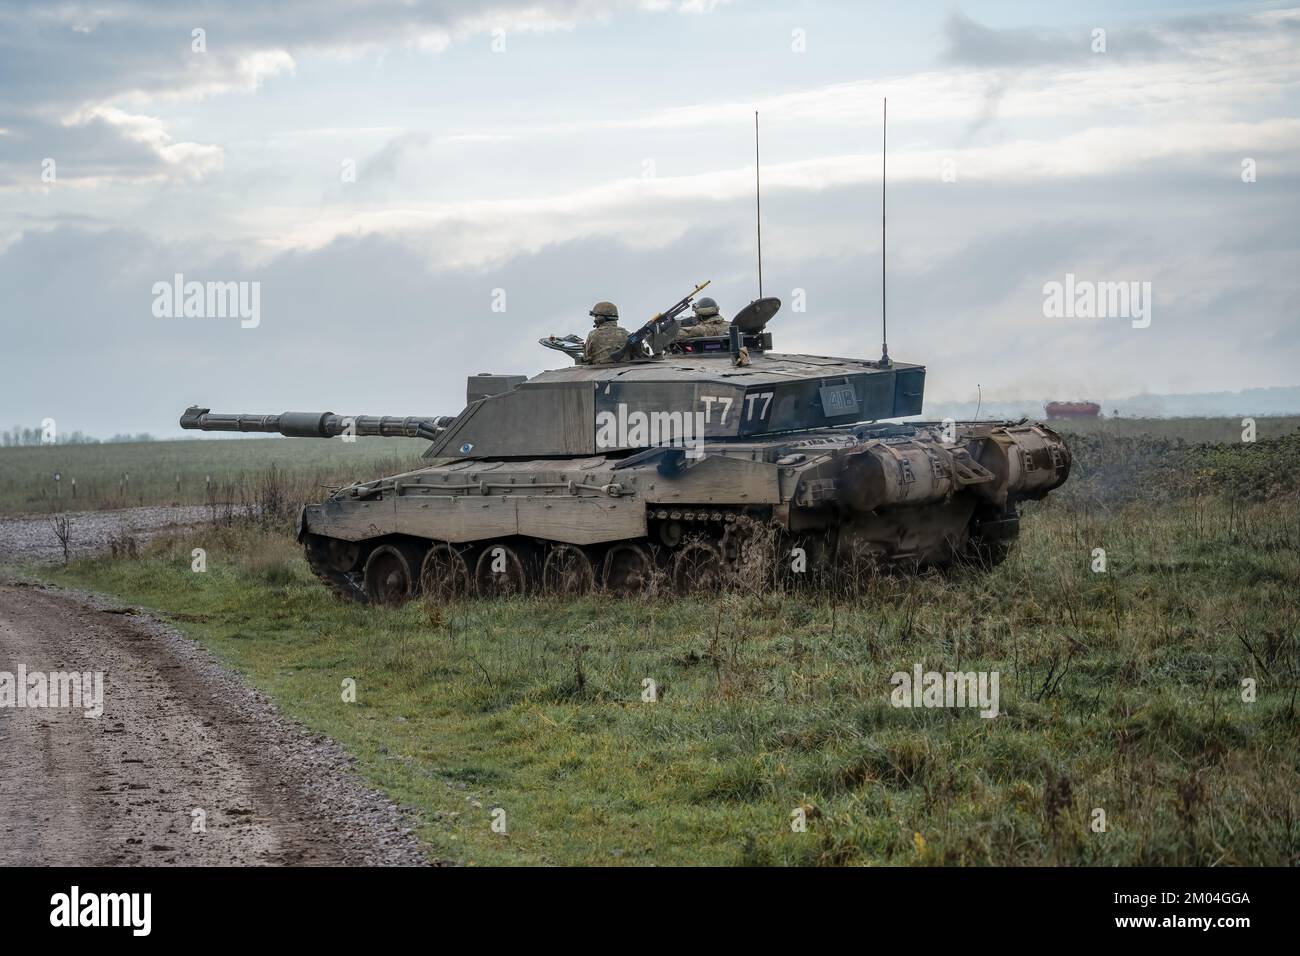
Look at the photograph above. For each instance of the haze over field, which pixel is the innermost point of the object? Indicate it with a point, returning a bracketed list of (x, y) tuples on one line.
[(382, 174), (1253, 402)]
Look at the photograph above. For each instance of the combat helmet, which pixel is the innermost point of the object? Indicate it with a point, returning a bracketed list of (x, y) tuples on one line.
[(604, 312), (706, 308)]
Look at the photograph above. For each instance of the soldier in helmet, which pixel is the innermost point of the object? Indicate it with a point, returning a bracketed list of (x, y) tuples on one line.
[(607, 338), (707, 321)]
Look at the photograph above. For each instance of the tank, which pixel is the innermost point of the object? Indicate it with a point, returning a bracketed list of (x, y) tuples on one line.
[(693, 463)]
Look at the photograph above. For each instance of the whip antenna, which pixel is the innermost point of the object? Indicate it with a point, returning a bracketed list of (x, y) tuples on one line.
[(884, 323), (758, 208)]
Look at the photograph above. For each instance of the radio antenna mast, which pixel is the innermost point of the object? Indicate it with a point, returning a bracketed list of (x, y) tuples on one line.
[(758, 208), (884, 323)]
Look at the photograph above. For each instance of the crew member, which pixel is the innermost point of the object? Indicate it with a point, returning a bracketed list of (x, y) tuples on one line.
[(707, 321), (607, 338)]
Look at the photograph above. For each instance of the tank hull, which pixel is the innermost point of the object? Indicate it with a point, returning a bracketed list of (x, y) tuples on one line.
[(826, 503)]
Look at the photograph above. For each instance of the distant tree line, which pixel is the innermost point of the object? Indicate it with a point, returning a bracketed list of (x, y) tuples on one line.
[(19, 436)]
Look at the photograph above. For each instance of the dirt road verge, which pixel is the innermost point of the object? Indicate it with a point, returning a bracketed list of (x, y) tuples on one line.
[(179, 733)]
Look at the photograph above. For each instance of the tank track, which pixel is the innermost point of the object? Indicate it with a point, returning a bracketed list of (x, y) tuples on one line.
[(342, 584), (743, 552)]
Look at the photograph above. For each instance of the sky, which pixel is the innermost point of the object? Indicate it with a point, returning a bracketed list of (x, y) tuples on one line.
[(419, 191)]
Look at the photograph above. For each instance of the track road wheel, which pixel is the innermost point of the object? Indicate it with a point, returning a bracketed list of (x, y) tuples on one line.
[(751, 553), (698, 568), (444, 575), (989, 554), (857, 564), (627, 568), (392, 574), (324, 560), (502, 570), (803, 561), (568, 571), (992, 536), (343, 555)]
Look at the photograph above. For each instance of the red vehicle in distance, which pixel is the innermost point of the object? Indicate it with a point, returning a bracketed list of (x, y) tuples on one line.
[(1073, 409)]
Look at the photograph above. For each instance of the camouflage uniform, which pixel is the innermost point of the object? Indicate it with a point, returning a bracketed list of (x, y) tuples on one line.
[(607, 338), (718, 326), (708, 321)]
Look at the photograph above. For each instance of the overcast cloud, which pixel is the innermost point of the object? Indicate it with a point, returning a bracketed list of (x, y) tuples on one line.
[(565, 152)]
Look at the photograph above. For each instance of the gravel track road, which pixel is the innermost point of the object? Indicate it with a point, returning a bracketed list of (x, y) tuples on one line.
[(32, 537), (179, 733)]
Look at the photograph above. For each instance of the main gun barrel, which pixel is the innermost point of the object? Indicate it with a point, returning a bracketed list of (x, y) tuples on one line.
[(316, 424)]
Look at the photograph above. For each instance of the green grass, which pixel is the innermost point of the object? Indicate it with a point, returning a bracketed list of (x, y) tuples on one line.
[(774, 702), (1195, 430), (1119, 691), (118, 475)]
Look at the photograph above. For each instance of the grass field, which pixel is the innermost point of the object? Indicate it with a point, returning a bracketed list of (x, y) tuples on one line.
[(119, 475), (1190, 430), (1121, 691)]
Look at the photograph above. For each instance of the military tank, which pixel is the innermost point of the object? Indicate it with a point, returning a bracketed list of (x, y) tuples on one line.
[(699, 462)]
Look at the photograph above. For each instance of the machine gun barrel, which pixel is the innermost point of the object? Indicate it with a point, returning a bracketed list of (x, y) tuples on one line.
[(317, 424), (680, 305), (659, 330)]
